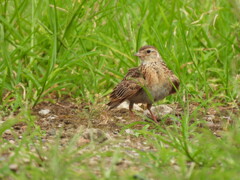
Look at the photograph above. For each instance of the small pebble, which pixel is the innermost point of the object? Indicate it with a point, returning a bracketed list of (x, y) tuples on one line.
[(95, 135), (11, 141), (52, 117), (13, 167), (210, 117), (129, 131), (8, 131), (81, 141), (210, 124), (44, 111), (52, 132), (115, 132), (2, 158), (160, 110), (26, 160)]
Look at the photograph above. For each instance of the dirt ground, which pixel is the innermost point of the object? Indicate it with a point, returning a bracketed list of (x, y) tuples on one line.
[(68, 118)]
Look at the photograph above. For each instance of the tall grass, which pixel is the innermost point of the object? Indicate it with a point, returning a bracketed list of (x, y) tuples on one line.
[(83, 48), (80, 46)]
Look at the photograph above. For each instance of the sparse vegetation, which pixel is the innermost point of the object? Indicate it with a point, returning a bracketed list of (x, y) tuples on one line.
[(66, 56)]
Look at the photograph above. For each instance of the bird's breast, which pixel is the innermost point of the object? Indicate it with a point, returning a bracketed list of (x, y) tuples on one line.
[(157, 82)]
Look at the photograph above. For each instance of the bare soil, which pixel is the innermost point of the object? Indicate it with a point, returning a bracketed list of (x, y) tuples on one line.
[(93, 122), (68, 118)]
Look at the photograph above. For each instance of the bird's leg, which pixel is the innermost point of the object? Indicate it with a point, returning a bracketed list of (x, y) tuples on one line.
[(153, 117), (132, 115)]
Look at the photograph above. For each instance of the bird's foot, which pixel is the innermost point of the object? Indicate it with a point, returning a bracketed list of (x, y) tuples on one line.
[(154, 118), (132, 115)]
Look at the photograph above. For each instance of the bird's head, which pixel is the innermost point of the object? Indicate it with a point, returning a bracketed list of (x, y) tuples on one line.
[(148, 54)]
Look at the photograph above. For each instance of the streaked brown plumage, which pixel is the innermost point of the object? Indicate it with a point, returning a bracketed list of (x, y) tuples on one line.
[(150, 82)]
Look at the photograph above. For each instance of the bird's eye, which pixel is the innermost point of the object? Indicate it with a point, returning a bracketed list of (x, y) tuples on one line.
[(148, 51)]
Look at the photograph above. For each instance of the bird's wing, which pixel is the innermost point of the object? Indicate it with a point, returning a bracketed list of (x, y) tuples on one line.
[(131, 84), (175, 84), (133, 73)]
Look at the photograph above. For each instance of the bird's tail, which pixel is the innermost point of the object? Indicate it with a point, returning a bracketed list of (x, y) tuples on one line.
[(113, 104)]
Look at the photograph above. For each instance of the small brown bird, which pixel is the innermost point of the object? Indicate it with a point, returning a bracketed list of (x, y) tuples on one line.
[(150, 82)]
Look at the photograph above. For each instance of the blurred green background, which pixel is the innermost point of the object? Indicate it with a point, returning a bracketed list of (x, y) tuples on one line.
[(83, 48)]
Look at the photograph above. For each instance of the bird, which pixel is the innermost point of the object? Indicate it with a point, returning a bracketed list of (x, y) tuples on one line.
[(148, 83)]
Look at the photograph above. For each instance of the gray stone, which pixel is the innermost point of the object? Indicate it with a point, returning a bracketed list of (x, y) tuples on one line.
[(13, 167), (159, 111), (95, 135), (44, 112)]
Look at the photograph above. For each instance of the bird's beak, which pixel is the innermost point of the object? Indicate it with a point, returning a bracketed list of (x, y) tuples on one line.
[(137, 54)]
